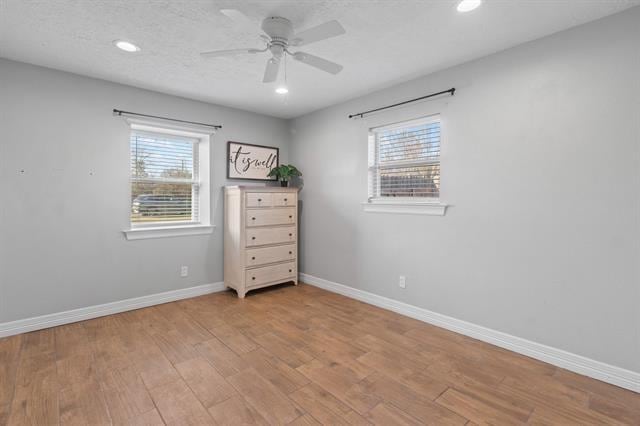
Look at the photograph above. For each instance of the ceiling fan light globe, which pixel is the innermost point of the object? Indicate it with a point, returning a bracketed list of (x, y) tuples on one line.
[(276, 50), (282, 90)]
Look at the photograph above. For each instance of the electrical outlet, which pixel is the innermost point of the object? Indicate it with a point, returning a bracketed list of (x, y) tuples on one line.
[(184, 271), (402, 283)]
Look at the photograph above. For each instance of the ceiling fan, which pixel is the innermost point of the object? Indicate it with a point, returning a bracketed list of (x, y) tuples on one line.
[(279, 37)]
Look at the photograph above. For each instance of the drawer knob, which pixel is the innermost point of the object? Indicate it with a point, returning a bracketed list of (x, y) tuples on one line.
[(291, 235), (290, 270), (253, 278), (253, 238), (253, 258), (253, 218), (285, 199), (290, 252), (290, 216), (259, 199)]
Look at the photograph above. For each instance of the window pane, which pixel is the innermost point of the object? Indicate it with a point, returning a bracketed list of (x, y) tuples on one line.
[(407, 161), (420, 142), (419, 181), (163, 185), (161, 202), (159, 156)]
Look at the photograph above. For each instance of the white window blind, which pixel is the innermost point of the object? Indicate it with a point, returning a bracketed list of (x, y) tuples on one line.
[(164, 179), (404, 160)]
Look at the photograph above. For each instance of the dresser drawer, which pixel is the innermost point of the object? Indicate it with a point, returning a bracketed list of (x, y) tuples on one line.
[(262, 256), (283, 199), (268, 274), (257, 199), (264, 236), (267, 217)]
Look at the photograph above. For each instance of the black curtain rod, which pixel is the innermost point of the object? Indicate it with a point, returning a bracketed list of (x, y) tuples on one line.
[(361, 114), (119, 112)]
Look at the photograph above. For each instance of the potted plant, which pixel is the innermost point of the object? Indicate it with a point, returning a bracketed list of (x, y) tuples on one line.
[(283, 173)]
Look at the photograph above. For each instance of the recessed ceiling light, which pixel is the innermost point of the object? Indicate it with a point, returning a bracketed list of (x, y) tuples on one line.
[(468, 5), (126, 46), (282, 90)]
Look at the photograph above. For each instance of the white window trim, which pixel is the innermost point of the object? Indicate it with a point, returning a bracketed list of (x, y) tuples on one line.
[(204, 226), (431, 208), (167, 231), (401, 205), (431, 118)]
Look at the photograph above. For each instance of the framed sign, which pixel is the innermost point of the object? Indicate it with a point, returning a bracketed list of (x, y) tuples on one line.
[(253, 162)]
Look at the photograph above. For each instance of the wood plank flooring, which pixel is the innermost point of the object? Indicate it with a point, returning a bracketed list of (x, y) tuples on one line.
[(285, 355)]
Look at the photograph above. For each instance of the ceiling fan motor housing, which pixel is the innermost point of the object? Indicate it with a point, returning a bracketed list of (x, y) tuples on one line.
[(277, 27), (279, 30)]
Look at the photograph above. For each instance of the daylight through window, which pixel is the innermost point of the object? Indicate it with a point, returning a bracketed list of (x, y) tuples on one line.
[(404, 161), (164, 179)]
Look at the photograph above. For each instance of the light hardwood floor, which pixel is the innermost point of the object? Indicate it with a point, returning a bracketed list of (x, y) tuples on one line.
[(286, 355)]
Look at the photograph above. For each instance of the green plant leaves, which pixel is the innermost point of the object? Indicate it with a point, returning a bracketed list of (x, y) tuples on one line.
[(284, 172)]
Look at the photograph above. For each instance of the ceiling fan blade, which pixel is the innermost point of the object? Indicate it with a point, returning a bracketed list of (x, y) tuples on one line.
[(321, 32), (271, 71), (229, 52), (314, 61), (240, 18)]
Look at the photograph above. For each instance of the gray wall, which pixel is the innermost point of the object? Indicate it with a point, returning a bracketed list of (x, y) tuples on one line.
[(541, 167), (541, 155), (61, 220)]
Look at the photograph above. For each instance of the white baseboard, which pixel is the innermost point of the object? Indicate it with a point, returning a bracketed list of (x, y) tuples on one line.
[(578, 364), (80, 314)]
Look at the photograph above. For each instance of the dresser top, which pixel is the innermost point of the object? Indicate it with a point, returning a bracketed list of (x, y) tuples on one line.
[(258, 188)]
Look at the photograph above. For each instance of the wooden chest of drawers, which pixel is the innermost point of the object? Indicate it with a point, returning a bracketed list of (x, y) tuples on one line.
[(260, 237)]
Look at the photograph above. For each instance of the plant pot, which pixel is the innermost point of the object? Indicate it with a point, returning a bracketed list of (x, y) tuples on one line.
[(284, 183)]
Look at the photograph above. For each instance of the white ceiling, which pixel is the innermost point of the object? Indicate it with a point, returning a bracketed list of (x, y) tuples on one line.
[(387, 42)]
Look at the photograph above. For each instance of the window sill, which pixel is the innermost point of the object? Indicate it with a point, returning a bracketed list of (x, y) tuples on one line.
[(400, 207), (167, 231)]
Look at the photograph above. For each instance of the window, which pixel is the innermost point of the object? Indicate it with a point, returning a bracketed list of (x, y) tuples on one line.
[(404, 163), (169, 182), (164, 179)]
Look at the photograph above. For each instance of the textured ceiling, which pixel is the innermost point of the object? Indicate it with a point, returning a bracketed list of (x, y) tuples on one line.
[(386, 42)]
